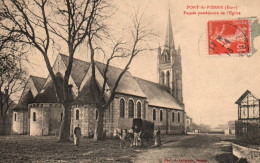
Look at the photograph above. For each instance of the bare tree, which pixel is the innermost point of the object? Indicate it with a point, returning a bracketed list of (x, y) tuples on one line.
[(44, 24), (11, 76), (140, 35)]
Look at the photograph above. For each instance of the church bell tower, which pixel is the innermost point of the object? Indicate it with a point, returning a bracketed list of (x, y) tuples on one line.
[(169, 64)]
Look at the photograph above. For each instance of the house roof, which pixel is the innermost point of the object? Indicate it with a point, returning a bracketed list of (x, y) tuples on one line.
[(48, 93), (127, 84), (79, 68), (86, 95), (25, 99), (242, 97), (38, 82), (158, 95)]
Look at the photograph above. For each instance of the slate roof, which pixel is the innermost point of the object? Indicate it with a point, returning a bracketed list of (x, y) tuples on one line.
[(86, 95), (25, 99), (38, 82), (48, 94), (79, 68), (158, 95), (127, 84)]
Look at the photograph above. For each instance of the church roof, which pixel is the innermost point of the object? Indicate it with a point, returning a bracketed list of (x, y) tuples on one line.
[(38, 82), (48, 94), (169, 42), (158, 95), (86, 95), (79, 68), (25, 99), (127, 84)]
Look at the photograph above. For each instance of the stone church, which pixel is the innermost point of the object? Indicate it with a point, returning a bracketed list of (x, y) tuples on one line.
[(39, 113)]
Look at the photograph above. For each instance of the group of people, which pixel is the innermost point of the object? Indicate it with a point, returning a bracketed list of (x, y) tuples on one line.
[(133, 134)]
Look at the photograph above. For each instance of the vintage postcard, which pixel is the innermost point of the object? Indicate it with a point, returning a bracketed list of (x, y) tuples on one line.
[(164, 81)]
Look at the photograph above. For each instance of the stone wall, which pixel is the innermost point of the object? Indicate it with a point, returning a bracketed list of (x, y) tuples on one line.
[(20, 124), (250, 154), (112, 119), (126, 122), (174, 127), (83, 121), (48, 119)]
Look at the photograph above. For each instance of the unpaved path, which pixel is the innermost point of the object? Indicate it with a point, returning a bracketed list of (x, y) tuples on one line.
[(190, 148)]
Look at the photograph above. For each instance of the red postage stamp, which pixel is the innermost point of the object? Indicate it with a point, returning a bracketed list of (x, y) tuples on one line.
[(229, 37)]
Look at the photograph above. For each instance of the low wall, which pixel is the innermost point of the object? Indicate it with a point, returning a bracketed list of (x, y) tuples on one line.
[(252, 155)]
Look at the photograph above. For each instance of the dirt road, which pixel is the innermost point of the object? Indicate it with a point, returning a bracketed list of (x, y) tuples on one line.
[(190, 148)]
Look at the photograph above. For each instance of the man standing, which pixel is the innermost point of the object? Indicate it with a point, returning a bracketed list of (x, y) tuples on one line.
[(77, 134)]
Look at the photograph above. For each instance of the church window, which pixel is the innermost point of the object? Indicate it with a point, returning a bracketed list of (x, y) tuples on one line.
[(173, 116), (165, 58), (34, 116), (161, 115), (139, 110), (179, 117), (15, 117), (61, 116), (122, 108), (154, 114), (77, 114), (168, 79), (131, 109), (96, 114), (162, 77)]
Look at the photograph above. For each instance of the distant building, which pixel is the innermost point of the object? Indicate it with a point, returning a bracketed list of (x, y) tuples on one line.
[(247, 127), (39, 112), (189, 126), (230, 129)]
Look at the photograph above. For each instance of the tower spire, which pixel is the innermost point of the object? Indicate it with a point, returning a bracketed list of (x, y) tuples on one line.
[(169, 42)]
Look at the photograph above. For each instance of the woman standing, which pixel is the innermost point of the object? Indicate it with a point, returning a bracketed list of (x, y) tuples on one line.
[(157, 139)]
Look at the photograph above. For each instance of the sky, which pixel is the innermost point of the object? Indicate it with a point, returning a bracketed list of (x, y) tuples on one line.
[(211, 85)]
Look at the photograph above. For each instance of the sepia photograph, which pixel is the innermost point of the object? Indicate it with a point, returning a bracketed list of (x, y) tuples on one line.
[(142, 81)]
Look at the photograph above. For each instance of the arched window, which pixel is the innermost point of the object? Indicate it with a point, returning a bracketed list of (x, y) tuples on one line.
[(34, 116), (61, 116), (179, 117), (168, 79), (162, 77), (131, 109), (173, 116), (96, 114), (15, 117), (169, 57), (139, 110), (161, 115), (77, 114), (122, 108), (154, 114)]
